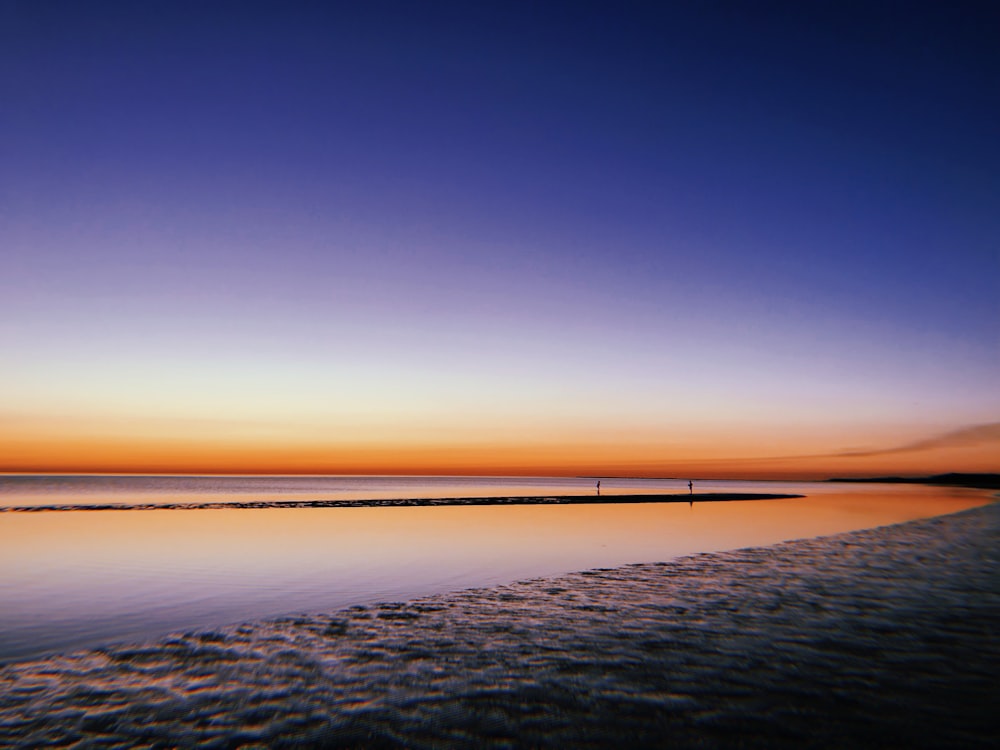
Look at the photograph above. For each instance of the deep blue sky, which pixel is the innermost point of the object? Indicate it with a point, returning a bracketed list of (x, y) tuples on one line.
[(811, 190)]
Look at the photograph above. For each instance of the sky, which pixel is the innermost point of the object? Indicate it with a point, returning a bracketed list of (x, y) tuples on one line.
[(714, 238)]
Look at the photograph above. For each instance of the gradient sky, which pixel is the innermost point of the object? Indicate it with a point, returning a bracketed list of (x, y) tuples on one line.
[(730, 239)]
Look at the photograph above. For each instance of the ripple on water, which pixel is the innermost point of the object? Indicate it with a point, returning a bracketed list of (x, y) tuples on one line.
[(846, 641)]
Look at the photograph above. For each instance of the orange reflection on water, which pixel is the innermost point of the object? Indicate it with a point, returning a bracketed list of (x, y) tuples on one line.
[(81, 578), (364, 536)]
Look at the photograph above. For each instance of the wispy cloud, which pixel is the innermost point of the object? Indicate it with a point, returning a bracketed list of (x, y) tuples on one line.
[(964, 437)]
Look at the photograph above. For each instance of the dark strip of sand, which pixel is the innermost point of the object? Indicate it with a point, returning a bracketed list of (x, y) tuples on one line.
[(411, 502), (878, 638)]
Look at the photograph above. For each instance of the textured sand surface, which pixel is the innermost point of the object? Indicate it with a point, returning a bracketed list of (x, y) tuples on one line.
[(878, 638)]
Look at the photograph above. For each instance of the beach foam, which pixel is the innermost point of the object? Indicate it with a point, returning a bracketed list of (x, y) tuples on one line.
[(884, 637)]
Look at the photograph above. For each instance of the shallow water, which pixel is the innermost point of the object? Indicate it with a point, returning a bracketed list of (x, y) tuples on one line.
[(871, 639), (21, 490), (77, 579)]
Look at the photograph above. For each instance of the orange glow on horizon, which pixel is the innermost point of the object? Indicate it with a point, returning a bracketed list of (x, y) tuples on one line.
[(38, 453)]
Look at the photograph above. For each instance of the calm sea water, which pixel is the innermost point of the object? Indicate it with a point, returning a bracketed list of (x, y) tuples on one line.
[(80, 579), (89, 489)]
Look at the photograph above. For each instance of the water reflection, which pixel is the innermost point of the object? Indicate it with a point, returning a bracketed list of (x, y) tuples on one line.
[(82, 578), (24, 490)]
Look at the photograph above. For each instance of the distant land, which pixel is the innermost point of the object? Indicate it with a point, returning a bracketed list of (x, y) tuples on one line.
[(979, 481)]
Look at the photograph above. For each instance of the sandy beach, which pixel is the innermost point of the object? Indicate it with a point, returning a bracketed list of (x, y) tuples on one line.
[(877, 638)]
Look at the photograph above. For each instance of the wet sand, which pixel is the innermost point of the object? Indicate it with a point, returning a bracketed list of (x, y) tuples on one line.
[(877, 638), (409, 502)]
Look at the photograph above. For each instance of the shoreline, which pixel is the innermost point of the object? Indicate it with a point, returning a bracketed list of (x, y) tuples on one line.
[(874, 638), (606, 499)]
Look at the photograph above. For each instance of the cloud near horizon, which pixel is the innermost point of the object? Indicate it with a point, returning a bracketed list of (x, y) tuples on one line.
[(964, 437)]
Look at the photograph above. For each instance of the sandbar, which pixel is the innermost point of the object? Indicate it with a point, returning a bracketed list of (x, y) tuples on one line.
[(408, 502)]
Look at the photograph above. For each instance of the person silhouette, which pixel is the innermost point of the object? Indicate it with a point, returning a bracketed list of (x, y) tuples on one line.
[(598, 486), (690, 488)]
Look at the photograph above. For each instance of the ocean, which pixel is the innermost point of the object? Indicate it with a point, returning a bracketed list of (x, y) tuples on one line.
[(79, 579)]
